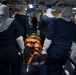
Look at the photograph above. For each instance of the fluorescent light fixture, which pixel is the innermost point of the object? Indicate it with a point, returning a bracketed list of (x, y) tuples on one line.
[(0, 3), (53, 10), (67, 72), (74, 12), (74, 8), (30, 6), (74, 16), (73, 66)]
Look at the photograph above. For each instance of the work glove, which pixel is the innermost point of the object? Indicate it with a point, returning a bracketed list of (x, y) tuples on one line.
[(46, 45)]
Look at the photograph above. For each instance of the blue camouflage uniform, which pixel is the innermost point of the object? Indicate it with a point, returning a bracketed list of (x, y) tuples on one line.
[(9, 49), (62, 34)]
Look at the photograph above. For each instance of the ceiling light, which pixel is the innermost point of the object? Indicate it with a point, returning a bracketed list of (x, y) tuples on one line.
[(74, 8), (30, 6)]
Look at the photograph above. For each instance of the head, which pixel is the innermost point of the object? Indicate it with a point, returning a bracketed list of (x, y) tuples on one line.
[(5, 21), (4, 11), (41, 13), (22, 10), (49, 13), (67, 13), (34, 15), (6, 3), (49, 10)]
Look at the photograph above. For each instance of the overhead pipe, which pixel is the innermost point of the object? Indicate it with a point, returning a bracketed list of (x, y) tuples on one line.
[(36, 3)]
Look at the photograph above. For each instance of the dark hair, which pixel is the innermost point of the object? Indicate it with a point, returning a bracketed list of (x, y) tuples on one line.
[(5, 2)]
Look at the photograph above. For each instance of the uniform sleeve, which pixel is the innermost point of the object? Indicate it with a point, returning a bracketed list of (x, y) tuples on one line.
[(40, 22), (18, 29), (75, 40), (26, 23), (51, 30)]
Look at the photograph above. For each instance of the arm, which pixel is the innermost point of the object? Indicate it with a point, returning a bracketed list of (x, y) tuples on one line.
[(26, 23), (49, 37), (19, 35)]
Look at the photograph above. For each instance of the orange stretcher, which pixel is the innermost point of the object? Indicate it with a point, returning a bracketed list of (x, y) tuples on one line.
[(34, 43)]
